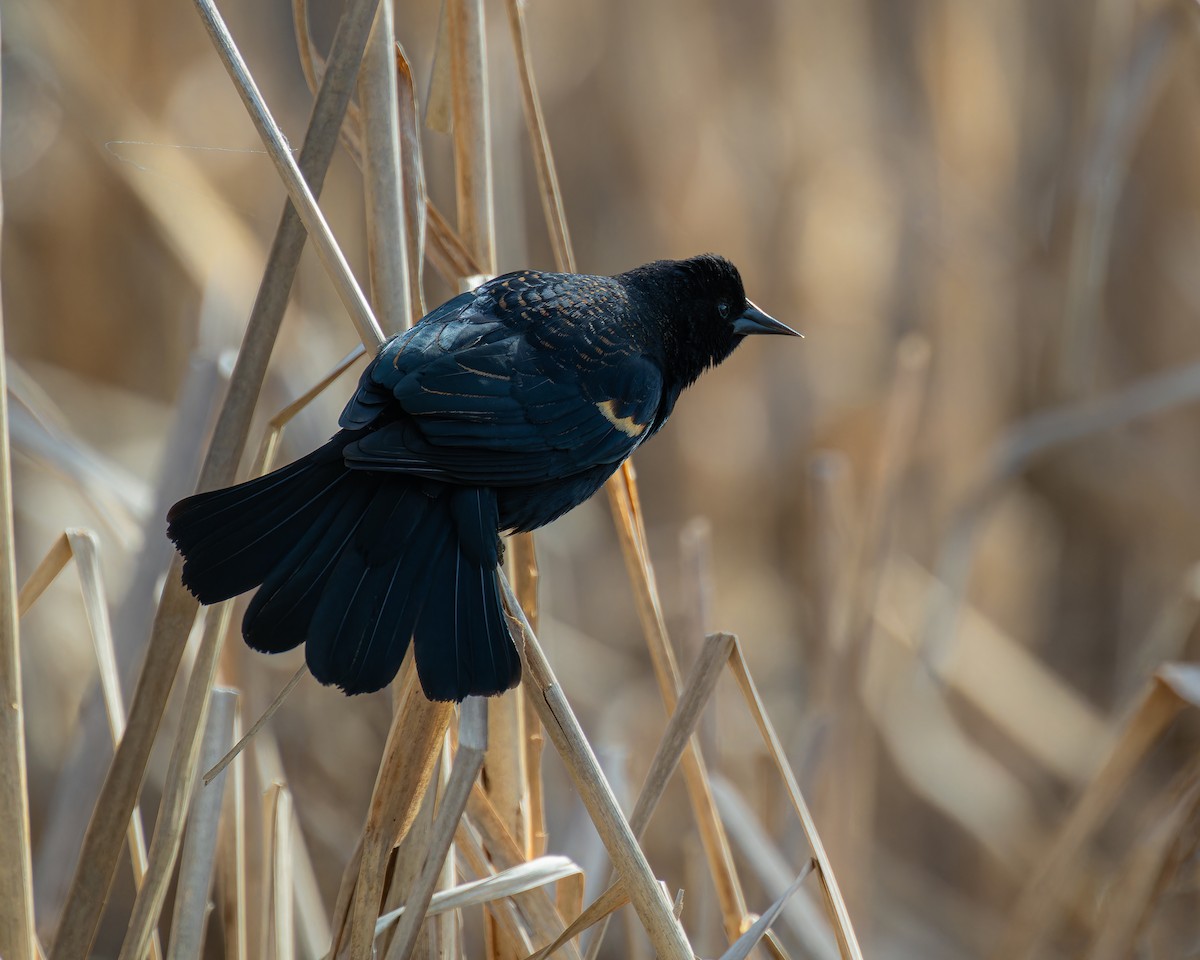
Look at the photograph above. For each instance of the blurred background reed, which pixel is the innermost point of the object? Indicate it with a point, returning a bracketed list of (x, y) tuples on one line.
[(978, 212)]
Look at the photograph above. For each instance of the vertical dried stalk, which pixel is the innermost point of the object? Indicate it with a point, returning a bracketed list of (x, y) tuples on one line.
[(177, 608), (412, 170), (383, 189), (472, 130), (232, 864), (17, 938), (200, 847), (181, 778)]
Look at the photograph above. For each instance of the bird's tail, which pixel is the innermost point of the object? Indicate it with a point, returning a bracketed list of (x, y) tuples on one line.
[(354, 564)]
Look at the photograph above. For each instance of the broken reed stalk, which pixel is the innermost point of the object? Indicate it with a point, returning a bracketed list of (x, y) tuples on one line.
[(648, 899), (18, 940), (278, 931), (231, 861), (622, 492), (177, 608)]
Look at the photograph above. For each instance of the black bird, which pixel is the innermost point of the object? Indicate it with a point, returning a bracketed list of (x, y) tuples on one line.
[(499, 411)]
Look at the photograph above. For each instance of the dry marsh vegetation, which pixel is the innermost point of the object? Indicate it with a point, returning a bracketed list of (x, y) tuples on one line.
[(953, 534)]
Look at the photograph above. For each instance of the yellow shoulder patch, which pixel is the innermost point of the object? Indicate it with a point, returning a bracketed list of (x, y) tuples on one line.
[(627, 425)]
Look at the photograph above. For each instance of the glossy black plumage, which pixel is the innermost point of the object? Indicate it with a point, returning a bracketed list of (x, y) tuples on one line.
[(501, 410)]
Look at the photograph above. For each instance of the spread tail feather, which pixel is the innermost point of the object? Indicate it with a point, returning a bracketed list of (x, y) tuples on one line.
[(354, 564)]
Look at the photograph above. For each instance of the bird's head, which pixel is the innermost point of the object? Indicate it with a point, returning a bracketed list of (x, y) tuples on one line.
[(704, 310)]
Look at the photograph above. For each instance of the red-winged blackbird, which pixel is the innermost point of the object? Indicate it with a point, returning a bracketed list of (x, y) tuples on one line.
[(499, 411)]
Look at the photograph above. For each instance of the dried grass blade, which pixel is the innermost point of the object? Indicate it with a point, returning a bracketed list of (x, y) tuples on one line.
[(472, 130), (236, 750), (740, 949), (805, 915), (289, 172), (18, 939), (843, 928), (603, 907), (200, 845), (539, 872), (651, 904), (177, 609), (539, 141), (541, 911), (468, 761), (1173, 687)]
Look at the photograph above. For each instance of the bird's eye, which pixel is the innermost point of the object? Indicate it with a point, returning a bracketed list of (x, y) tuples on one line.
[(723, 309)]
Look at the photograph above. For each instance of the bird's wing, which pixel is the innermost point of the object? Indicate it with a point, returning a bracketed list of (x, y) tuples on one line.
[(512, 396)]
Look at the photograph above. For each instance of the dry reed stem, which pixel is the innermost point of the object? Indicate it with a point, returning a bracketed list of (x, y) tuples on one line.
[(1154, 856), (1173, 687), (404, 774), (695, 696), (539, 141), (278, 930), (235, 751), (383, 187), (503, 852), (807, 916), (289, 171), (600, 909), (83, 547), (177, 608), (843, 928), (502, 913), (179, 782), (232, 859), (18, 939), (740, 948), (468, 761), (472, 130), (412, 169), (521, 879), (622, 491), (648, 898), (200, 845)]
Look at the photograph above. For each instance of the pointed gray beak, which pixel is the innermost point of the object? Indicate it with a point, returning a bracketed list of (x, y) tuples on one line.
[(757, 321)]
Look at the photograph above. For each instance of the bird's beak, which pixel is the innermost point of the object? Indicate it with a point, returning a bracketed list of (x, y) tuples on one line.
[(757, 321)]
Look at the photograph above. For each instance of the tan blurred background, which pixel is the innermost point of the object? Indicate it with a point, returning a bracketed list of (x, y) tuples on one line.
[(1013, 184)]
